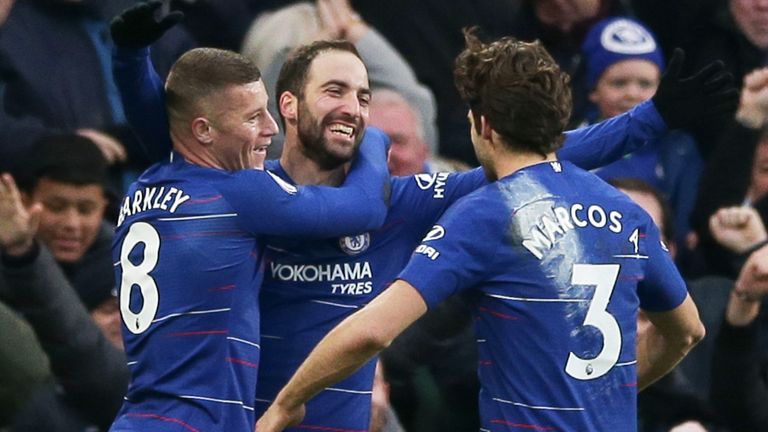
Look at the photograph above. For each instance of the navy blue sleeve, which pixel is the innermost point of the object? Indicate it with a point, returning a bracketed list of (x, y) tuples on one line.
[(662, 289), (266, 204), (458, 251), (422, 198), (143, 97), (605, 142)]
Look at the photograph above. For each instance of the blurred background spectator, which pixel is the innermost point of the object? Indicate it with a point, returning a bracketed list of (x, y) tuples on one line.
[(56, 275), (273, 34)]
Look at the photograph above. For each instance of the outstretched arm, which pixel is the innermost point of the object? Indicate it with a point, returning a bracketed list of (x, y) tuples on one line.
[(344, 350), (268, 205), (141, 89)]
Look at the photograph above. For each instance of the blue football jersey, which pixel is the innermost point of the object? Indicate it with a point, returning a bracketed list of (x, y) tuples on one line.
[(311, 286), (557, 263), (188, 259)]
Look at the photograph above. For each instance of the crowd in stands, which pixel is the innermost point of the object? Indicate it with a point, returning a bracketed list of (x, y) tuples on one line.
[(68, 148)]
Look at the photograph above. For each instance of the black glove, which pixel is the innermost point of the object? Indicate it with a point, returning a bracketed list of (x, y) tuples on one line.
[(136, 27), (707, 95)]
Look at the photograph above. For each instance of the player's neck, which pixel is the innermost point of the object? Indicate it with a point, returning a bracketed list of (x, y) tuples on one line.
[(510, 162), (305, 171), (193, 152)]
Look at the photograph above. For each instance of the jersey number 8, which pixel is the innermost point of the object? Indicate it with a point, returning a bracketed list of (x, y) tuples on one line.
[(140, 232)]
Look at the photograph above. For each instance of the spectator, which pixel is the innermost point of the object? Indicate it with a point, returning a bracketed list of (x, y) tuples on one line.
[(275, 33), (409, 154), (732, 31), (623, 66), (739, 380), (742, 154), (48, 281), (55, 72)]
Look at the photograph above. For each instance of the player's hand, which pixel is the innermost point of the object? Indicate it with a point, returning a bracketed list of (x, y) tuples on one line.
[(707, 95), (276, 418), (737, 228), (18, 225), (753, 105), (136, 27)]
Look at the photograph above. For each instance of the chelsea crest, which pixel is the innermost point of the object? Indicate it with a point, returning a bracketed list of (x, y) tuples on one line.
[(353, 245)]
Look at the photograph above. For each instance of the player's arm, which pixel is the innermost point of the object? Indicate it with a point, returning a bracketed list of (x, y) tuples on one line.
[(666, 341), (344, 350), (675, 326), (143, 98), (423, 198), (141, 89), (608, 141), (267, 205)]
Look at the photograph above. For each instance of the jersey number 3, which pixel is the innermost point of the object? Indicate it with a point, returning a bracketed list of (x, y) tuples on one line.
[(603, 278), (140, 232)]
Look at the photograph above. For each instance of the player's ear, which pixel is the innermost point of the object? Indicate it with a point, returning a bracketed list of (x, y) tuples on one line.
[(202, 130), (289, 106), (486, 131)]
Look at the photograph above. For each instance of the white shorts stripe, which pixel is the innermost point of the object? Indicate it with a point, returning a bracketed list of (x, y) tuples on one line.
[(635, 256), (537, 407), (225, 401), (266, 336), (543, 300), (243, 341), (334, 304), (629, 363), (191, 313), (349, 391), (182, 218)]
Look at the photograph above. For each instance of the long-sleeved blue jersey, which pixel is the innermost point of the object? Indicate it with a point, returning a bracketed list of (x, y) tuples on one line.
[(188, 257)]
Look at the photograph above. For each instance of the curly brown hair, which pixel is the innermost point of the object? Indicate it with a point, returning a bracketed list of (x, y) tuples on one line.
[(518, 88)]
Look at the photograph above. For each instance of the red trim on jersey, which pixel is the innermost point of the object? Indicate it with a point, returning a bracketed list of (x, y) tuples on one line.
[(522, 425), (242, 362), (223, 288), (165, 419), (204, 200), (497, 314)]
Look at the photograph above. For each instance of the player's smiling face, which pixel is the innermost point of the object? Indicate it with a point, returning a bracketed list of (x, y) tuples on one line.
[(241, 127), (333, 112)]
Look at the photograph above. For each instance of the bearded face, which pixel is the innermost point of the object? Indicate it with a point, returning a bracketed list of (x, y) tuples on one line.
[(332, 140)]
